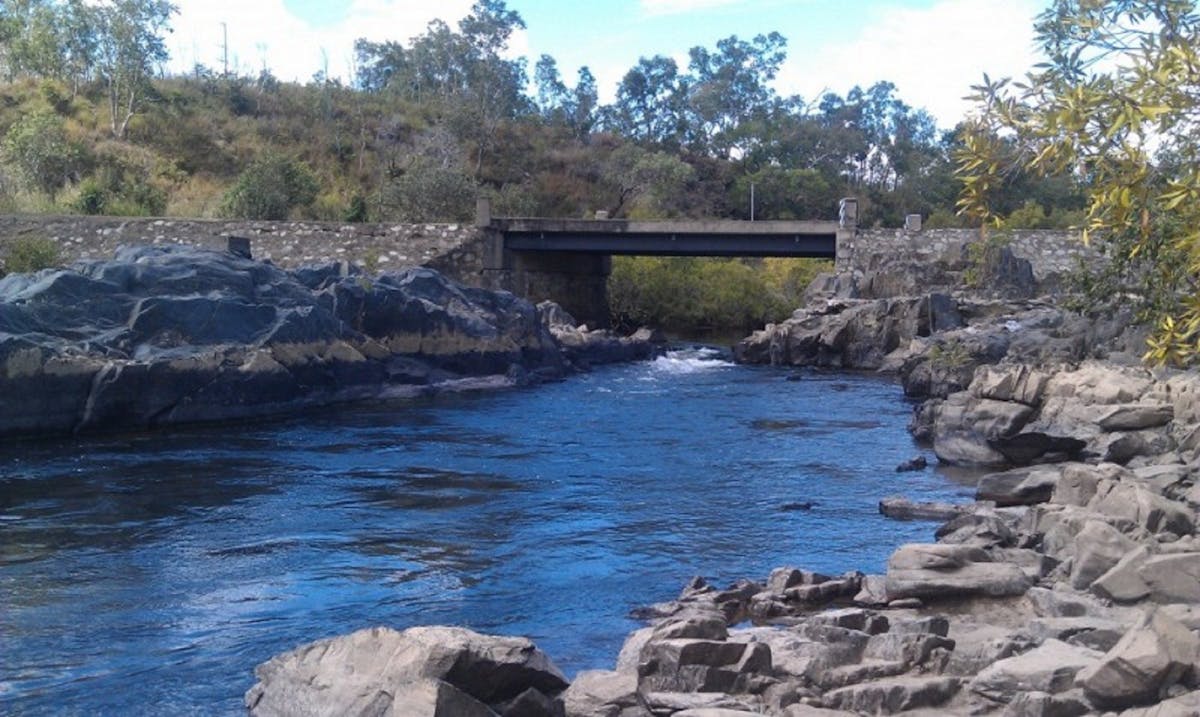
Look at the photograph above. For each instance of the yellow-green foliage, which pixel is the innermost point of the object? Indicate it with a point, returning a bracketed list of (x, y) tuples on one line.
[(29, 253), (1115, 104), (685, 294), (949, 355), (1033, 215)]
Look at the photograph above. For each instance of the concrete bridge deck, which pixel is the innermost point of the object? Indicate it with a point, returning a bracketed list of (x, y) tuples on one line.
[(813, 239), (569, 260)]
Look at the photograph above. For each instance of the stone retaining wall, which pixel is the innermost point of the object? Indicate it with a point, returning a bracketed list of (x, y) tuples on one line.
[(287, 244), (457, 249), (1052, 253)]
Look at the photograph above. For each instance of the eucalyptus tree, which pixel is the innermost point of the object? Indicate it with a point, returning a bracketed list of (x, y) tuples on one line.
[(558, 104), (130, 49), (465, 75), (729, 87), (31, 38), (651, 102)]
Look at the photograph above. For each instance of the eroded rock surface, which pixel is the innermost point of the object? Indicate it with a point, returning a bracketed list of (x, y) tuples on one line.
[(176, 335)]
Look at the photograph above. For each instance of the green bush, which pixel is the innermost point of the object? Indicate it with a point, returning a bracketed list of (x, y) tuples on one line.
[(38, 148), (29, 254), (356, 212), (689, 295), (431, 192), (270, 188), (92, 197)]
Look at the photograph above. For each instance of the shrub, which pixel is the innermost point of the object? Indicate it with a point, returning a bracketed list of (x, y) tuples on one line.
[(92, 197), (29, 254), (983, 257), (356, 212), (270, 188), (430, 192), (38, 147)]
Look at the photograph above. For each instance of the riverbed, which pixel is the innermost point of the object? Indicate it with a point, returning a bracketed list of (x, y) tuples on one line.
[(149, 574)]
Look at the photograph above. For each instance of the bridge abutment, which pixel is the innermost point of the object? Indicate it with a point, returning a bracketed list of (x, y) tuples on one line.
[(577, 282)]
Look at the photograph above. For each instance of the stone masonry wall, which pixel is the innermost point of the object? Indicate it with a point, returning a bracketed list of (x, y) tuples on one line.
[(458, 249), (452, 248), (1052, 253)]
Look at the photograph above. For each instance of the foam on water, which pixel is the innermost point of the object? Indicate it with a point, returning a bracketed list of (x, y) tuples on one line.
[(692, 359)]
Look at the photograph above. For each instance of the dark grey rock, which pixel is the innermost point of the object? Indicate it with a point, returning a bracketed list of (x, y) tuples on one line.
[(175, 335), (1020, 486), (912, 465), (1033, 447)]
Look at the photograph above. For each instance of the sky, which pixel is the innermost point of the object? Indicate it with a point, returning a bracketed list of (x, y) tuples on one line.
[(932, 50)]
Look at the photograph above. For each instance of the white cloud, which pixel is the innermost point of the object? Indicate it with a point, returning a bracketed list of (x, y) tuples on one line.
[(675, 7), (932, 55), (265, 32)]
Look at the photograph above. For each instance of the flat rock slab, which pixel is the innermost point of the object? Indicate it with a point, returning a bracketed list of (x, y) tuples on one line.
[(1136, 416), (938, 571), (352, 673), (894, 695)]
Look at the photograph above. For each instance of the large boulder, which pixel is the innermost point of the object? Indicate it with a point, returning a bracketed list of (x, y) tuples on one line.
[(601, 693), (1164, 579), (687, 665), (1019, 383), (175, 335), (364, 673), (839, 334), (1049, 668), (584, 347), (1152, 657), (894, 695), (939, 571), (1019, 486), (1140, 506), (963, 425), (1098, 547)]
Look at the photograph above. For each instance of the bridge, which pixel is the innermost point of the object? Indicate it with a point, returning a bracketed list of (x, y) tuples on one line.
[(569, 260)]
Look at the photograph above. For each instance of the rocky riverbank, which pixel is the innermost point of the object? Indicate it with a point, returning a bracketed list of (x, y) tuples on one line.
[(1071, 590), (162, 336), (1071, 586)]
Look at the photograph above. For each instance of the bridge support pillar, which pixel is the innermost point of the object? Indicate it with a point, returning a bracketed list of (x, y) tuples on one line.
[(577, 282)]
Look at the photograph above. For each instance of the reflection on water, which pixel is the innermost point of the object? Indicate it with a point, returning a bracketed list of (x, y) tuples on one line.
[(149, 574)]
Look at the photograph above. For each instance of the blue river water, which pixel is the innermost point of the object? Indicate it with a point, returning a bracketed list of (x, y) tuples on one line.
[(149, 574)]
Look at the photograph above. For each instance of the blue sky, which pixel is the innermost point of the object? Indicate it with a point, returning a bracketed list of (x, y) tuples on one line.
[(931, 49)]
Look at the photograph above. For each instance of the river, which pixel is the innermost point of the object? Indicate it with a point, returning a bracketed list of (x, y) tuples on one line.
[(148, 574)]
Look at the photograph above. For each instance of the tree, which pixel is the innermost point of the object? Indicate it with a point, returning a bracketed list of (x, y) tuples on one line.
[(1116, 105), (270, 188), (781, 193), (729, 86), (463, 75), (129, 48), (645, 179), (559, 104), (552, 95), (650, 102), (32, 38)]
